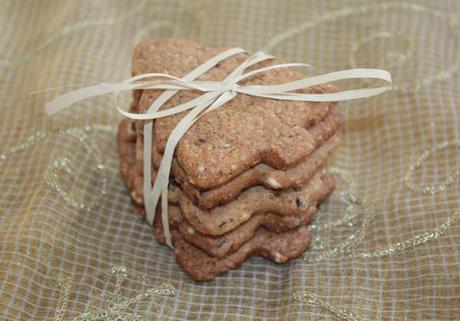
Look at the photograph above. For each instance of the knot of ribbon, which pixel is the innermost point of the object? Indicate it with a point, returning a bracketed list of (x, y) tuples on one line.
[(214, 95)]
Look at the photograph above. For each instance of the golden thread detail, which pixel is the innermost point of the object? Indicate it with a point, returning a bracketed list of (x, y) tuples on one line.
[(357, 207), (64, 286), (64, 163), (435, 188), (116, 307), (65, 32), (80, 133), (332, 16), (304, 296), (27, 143), (419, 239), (364, 209)]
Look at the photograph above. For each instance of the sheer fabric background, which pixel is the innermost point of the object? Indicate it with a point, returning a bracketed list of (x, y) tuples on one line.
[(386, 242)]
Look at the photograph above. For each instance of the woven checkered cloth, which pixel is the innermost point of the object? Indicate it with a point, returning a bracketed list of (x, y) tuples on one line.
[(385, 243)]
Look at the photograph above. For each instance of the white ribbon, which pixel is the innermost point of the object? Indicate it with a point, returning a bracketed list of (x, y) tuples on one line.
[(215, 94)]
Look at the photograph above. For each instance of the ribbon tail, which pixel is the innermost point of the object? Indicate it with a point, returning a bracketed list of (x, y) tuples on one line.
[(75, 96), (328, 97), (147, 185), (165, 216)]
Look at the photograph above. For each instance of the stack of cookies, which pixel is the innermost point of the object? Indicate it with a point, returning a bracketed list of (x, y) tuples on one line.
[(246, 178)]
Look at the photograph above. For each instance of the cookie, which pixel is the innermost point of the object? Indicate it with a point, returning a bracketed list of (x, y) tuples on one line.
[(260, 174), (246, 131), (220, 246), (222, 219), (331, 123), (128, 168), (277, 247), (249, 238), (319, 186), (126, 146)]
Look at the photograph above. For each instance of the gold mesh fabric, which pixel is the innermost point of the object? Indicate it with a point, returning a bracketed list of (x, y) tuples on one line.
[(386, 243)]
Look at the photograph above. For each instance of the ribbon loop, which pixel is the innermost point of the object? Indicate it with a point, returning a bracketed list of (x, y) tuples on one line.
[(215, 94)]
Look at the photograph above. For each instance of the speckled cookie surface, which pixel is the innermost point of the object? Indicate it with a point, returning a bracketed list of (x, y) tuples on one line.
[(129, 167), (316, 189), (260, 174), (126, 147), (220, 246), (265, 175), (254, 200), (278, 247), (255, 167), (223, 245), (280, 241), (246, 131)]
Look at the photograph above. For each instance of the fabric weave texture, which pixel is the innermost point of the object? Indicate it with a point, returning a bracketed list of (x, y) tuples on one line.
[(386, 243)]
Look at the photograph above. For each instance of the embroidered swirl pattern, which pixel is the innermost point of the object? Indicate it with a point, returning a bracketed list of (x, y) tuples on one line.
[(357, 208), (363, 209), (117, 307), (66, 165), (387, 257), (396, 57), (305, 296), (451, 178), (54, 172)]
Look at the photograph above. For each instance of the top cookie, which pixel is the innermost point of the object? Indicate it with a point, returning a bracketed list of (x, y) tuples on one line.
[(242, 133)]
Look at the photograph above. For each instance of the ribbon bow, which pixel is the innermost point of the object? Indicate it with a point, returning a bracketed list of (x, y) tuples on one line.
[(215, 94)]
